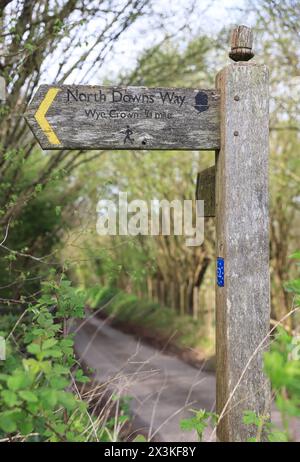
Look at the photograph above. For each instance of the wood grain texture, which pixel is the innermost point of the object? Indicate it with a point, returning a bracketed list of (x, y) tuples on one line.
[(241, 44), (2, 90), (205, 190), (95, 117), (243, 304)]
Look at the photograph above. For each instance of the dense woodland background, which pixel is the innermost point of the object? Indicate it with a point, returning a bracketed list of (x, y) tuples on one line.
[(48, 199)]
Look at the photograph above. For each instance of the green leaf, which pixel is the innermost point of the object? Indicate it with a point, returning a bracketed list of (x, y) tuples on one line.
[(58, 210), (293, 286), (288, 406), (123, 418), (49, 343), (188, 424), (9, 397), (34, 348), (67, 400), (18, 381), (32, 365), (52, 353), (33, 407), (39, 186), (59, 369), (28, 396), (8, 422), (139, 439), (295, 255), (46, 366), (67, 342), (26, 425), (80, 377), (274, 367), (58, 382), (250, 418), (276, 436), (71, 437), (48, 398)]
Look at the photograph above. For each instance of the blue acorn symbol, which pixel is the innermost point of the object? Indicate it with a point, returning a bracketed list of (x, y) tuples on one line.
[(201, 101)]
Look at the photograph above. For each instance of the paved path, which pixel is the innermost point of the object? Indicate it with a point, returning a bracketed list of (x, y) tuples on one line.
[(163, 387)]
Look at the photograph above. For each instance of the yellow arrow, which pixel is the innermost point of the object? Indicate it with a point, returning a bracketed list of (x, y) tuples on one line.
[(41, 113)]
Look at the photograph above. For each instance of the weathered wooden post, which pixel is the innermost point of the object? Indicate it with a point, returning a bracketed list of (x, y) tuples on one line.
[(2, 90), (242, 292)]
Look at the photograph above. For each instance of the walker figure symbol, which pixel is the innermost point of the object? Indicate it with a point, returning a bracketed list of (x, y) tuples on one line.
[(128, 132)]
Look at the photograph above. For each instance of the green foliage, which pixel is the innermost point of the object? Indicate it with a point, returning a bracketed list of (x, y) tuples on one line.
[(282, 365), (199, 422), (158, 319), (171, 64), (263, 428), (293, 286), (36, 394), (34, 233), (140, 439)]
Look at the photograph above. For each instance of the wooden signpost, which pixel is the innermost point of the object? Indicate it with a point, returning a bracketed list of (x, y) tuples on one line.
[(95, 117), (205, 190), (2, 90), (233, 120), (242, 228)]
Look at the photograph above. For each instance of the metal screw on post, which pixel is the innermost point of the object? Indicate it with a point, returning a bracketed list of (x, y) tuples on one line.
[(241, 44)]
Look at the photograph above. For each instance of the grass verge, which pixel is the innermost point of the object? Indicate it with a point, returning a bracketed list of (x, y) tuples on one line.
[(156, 324)]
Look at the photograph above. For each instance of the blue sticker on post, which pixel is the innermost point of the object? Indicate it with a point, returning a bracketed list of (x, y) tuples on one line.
[(220, 272)]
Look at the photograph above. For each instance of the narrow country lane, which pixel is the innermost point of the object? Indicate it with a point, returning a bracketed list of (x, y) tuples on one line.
[(163, 388)]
